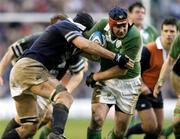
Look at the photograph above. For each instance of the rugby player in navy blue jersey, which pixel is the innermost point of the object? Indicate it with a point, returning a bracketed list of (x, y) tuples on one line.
[(59, 43), (73, 77), (74, 74)]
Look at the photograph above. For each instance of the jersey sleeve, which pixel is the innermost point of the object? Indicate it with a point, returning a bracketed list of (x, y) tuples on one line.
[(76, 64), (175, 48), (68, 30), (99, 26), (145, 59), (25, 43)]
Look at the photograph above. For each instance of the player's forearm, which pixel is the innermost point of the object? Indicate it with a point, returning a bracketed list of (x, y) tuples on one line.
[(99, 51), (74, 81), (165, 70), (110, 73), (5, 61), (93, 48)]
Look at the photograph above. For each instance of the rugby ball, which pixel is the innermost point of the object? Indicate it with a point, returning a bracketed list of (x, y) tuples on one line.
[(98, 37)]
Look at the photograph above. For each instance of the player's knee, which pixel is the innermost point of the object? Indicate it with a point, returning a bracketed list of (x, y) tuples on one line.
[(61, 95), (64, 98), (98, 118)]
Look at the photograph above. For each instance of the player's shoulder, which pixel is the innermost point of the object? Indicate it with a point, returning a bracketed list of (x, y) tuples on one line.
[(176, 40), (150, 28), (178, 36), (69, 24), (133, 32), (102, 22), (32, 37), (65, 23)]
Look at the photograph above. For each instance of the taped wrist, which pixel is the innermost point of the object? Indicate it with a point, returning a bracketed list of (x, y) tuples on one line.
[(59, 88), (120, 60)]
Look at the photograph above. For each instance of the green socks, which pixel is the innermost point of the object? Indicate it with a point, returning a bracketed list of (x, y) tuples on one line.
[(93, 134), (44, 133), (168, 131)]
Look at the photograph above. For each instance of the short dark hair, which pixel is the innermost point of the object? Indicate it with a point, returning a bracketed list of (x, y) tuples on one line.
[(169, 21), (135, 4), (85, 19)]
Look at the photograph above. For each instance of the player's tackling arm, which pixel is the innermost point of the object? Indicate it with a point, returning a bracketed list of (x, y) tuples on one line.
[(5, 61), (92, 48), (75, 79)]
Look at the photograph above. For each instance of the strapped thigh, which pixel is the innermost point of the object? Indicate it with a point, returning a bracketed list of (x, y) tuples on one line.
[(59, 88), (29, 120)]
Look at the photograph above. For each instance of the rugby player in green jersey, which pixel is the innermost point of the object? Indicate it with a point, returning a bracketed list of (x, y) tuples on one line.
[(150, 109), (136, 14), (173, 61), (115, 85)]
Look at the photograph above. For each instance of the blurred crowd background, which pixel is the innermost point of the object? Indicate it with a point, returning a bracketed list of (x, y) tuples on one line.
[(11, 31)]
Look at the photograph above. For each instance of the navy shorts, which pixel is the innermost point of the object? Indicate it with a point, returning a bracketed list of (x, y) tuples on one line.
[(149, 101)]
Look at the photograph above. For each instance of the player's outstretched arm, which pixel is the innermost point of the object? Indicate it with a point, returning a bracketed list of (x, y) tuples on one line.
[(92, 48), (165, 70), (75, 79), (5, 61)]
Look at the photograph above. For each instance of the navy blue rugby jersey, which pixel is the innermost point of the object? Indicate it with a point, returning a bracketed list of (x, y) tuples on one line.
[(75, 64), (54, 46), (22, 44)]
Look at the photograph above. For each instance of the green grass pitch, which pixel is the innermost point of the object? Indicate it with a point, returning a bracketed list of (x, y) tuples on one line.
[(76, 128)]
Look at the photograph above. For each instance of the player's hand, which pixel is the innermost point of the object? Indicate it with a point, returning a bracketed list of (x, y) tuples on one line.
[(157, 89), (123, 61), (145, 90), (1, 80), (90, 81)]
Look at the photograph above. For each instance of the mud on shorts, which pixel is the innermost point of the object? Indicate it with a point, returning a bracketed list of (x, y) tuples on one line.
[(26, 73), (121, 93), (149, 101)]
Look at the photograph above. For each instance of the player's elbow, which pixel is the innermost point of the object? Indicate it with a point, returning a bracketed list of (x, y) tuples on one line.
[(81, 42)]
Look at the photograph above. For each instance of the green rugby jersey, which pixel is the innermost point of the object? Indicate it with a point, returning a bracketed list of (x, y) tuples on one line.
[(130, 45), (175, 49), (149, 34)]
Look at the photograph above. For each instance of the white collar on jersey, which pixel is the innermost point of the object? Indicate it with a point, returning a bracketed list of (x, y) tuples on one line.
[(160, 46), (158, 43), (77, 24)]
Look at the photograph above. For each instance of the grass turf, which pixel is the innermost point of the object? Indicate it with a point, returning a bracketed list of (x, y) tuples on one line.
[(76, 129)]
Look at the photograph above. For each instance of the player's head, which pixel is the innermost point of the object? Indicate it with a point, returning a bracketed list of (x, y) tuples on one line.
[(118, 22), (57, 18), (169, 29), (85, 19), (136, 13)]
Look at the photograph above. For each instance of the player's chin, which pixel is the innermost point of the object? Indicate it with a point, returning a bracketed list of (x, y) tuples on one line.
[(120, 36)]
